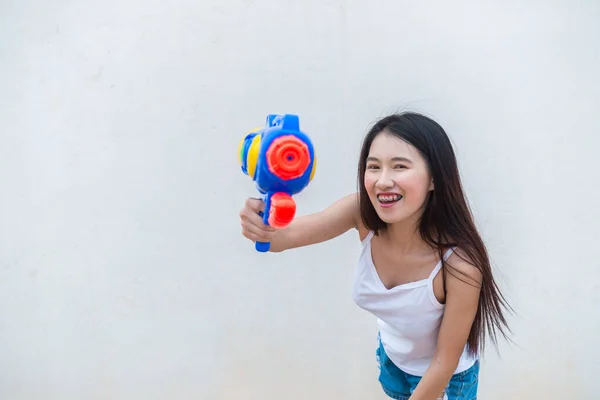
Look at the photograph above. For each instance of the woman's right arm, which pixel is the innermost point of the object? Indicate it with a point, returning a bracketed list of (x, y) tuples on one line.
[(305, 230)]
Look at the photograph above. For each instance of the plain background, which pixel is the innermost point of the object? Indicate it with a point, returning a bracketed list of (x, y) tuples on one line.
[(123, 272)]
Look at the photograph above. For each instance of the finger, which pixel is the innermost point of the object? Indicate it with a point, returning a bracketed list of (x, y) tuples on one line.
[(253, 232), (257, 205), (255, 238), (260, 229), (248, 214), (255, 219)]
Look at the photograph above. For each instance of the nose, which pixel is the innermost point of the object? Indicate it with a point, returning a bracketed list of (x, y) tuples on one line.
[(384, 180)]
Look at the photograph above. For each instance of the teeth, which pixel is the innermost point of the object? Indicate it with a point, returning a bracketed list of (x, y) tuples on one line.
[(388, 198)]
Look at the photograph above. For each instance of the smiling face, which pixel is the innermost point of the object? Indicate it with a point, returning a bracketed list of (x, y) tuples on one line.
[(397, 179)]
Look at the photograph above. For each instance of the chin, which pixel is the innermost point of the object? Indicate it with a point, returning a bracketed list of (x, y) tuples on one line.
[(390, 218), (394, 215), (391, 221)]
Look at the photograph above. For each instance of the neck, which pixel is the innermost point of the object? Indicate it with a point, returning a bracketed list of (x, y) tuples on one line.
[(405, 237)]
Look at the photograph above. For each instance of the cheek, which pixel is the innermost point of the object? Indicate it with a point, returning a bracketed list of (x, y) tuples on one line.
[(369, 182), (414, 183)]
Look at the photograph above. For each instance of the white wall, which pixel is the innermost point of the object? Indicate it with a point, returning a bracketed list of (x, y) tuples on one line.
[(123, 273)]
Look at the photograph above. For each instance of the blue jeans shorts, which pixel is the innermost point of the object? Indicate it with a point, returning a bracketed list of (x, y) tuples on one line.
[(399, 385)]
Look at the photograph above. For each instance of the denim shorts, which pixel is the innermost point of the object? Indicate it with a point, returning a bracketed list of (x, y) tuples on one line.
[(399, 385)]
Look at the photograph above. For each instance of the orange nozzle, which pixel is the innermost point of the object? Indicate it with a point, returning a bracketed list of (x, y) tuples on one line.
[(283, 209), (288, 157)]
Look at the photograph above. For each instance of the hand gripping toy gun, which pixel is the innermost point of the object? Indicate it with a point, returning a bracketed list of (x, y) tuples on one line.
[(281, 160)]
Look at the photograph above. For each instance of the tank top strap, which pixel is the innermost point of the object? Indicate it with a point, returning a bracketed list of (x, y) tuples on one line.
[(367, 238), (438, 266)]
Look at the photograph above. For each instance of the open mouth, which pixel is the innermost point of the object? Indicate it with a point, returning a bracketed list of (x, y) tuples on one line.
[(388, 199)]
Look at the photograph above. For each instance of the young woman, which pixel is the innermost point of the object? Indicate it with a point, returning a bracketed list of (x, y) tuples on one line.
[(423, 270)]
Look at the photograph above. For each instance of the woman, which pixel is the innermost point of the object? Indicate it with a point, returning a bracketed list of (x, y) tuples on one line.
[(423, 271)]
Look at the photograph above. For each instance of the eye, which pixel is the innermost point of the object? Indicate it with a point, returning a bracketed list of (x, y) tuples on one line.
[(371, 166), (400, 166)]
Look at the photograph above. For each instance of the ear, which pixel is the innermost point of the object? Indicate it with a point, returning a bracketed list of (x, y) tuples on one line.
[(431, 186)]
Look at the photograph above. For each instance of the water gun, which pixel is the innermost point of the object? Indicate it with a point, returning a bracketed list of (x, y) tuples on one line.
[(281, 160)]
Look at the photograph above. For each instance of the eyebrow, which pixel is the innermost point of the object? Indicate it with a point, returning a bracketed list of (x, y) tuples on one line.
[(402, 159)]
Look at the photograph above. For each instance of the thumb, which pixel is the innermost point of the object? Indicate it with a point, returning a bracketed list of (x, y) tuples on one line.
[(256, 204)]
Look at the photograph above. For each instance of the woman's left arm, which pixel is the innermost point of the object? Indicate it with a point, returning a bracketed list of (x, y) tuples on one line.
[(463, 286)]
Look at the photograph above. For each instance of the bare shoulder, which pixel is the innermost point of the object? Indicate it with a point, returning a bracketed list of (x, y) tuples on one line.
[(361, 228), (354, 205), (463, 270)]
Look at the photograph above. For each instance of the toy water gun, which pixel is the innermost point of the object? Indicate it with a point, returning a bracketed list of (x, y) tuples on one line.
[(281, 160)]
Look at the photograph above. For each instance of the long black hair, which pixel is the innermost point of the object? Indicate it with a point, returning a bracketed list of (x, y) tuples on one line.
[(446, 220)]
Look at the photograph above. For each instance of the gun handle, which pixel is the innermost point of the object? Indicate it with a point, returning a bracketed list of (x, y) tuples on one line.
[(262, 247), (280, 209)]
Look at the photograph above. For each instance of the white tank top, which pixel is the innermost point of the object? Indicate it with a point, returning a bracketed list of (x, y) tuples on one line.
[(408, 315)]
